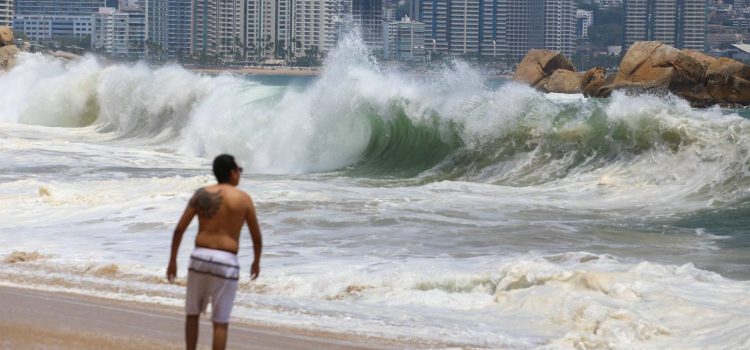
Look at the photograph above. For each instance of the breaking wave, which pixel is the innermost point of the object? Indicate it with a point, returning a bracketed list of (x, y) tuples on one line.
[(365, 122)]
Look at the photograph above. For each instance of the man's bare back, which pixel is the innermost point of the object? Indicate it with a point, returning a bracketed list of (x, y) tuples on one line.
[(222, 210)]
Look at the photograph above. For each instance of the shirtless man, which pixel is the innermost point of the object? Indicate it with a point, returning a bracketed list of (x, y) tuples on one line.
[(213, 273)]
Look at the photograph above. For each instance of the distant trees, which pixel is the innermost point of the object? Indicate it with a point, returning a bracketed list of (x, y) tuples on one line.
[(608, 27), (313, 58)]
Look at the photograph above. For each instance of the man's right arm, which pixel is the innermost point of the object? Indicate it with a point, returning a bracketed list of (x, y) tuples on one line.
[(179, 231), (252, 223)]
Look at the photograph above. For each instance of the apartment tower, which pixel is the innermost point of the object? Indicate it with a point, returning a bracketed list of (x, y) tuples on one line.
[(368, 16), (6, 12), (680, 23), (218, 28), (540, 24)]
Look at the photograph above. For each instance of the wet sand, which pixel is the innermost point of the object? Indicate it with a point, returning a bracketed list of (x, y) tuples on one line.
[(43, 320)]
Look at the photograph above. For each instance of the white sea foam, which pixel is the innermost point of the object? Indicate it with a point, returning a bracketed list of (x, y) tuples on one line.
[(558, 233)]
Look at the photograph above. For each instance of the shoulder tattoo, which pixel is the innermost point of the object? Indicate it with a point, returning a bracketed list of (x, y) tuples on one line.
[(206, 204)]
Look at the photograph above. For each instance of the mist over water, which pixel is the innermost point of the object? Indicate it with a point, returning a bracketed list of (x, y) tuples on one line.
[(435, 207)]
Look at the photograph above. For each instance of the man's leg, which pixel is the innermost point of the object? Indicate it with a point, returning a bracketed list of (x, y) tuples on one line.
[(191, 331), (220, 335)]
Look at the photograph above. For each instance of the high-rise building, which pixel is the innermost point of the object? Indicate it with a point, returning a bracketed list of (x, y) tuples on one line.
[(390, 30), (156, 28), (59, 7), (268, 28), (168, 28), (606, 4), (636, 21), (463, 30), (540, 24), (218, 29), (253, 30), (410, 41), (435, 16), (319, 30), (6, 12), (680, 23), (584, 20), (518, 28), (692, 20), (559, 26), (404, 40), (498, 28), (46, 19), (179, 27), (120, 33), (389, 14), (285, 29), (368, 16), (663, 26), (493, 26)]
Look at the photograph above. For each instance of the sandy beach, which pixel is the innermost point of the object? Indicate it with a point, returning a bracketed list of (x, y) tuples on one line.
[(42, 320)]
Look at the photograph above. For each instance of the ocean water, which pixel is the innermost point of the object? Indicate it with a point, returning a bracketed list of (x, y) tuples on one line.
[(434, 208)]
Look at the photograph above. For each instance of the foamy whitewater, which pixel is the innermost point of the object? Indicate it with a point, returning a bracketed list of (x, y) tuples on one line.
[(437, 209)]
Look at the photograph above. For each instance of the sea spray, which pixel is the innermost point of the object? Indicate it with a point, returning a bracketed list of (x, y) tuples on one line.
[(356, 120)]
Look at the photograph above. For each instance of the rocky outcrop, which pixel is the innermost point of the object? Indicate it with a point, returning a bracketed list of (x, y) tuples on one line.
[(728, 81), (563, 81), (6, 36), (650, 66), (8, 57), (702, 58), (592, 80), (538, 65), (64, 55), (647, 67), (8, 49)]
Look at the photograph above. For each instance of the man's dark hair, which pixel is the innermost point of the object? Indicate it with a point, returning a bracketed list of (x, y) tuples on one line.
[(223, 165)]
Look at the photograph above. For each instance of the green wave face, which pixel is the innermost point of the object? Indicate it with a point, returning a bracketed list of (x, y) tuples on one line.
[(531, 149), (402, 148)]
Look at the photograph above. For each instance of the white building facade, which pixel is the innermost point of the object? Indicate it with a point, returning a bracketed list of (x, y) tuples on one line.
[(680, 23), (6, 12), (43, 20), (584, 20), (119, 34), (218, 29)]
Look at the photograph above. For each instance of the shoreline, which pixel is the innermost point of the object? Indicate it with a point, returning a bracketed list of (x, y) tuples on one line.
[(63, 320), (285, 71)]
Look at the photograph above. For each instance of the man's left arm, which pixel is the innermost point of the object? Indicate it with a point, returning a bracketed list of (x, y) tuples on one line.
[(179, 231)]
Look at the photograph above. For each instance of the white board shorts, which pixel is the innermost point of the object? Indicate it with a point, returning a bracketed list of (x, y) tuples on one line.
[(213, 274)]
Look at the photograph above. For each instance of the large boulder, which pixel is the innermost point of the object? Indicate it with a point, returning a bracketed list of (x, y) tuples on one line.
[(6, 36), (702, 58), (538, 65), (650, 66), (8, 49), (592, 81), (67, 56), (563, 81), (8, 57), (728, 81)]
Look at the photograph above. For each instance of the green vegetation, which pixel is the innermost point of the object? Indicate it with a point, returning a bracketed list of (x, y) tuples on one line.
[(584, 61), (608, 24), (313, 58), (607, 29)]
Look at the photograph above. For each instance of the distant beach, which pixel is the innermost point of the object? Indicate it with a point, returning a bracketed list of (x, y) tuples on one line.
[(288, 71)]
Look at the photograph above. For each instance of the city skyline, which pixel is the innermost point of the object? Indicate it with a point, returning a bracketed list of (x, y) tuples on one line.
[(294, 31)]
